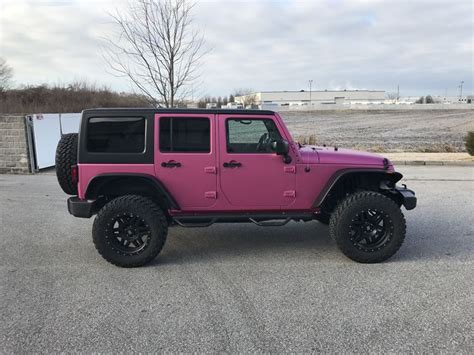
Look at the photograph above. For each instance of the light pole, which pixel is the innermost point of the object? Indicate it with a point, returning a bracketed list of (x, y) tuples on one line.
[(310, 102), (460, 94)]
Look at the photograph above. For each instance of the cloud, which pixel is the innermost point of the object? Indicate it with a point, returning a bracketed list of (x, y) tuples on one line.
[(55, 41), (425, 46)]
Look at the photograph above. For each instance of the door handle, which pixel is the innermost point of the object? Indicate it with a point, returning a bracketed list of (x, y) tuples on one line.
[(171, 164), (232, 164)]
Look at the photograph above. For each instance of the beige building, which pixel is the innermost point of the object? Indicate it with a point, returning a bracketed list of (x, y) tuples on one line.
[(305, 98)]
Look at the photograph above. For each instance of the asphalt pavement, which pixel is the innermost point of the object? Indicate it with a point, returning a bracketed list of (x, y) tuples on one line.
[(238, 287)]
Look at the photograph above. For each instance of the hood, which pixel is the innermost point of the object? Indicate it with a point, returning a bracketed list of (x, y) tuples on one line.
[(331, 155)]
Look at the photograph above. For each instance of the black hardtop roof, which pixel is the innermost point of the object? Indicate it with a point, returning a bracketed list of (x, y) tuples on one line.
[(177, 110)]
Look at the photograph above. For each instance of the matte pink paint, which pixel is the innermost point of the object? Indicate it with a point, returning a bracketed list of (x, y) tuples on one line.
[(263, 182)]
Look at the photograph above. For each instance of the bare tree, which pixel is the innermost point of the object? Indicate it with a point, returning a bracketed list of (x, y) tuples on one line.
[(429, 99), (248, 96), (6, 74), (392, 96), (243, 91), (157, 48)]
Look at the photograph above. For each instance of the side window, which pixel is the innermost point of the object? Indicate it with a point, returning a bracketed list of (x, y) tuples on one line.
[(186, 135), (116, 135), (251, 136)]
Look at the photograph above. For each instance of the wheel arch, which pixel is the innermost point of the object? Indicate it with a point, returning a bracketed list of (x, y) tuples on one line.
[(114, 185), (349, 180)]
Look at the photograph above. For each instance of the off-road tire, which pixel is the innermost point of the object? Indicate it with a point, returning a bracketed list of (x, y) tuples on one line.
[(342, 223), (133, 205), (66, 156)]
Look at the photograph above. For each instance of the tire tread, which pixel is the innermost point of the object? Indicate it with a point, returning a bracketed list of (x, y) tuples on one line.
[(66, 156), (338, 217), (132, 202)]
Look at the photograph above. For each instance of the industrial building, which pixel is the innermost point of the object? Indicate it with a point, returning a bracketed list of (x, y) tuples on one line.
[(268, 99), (437, 99)]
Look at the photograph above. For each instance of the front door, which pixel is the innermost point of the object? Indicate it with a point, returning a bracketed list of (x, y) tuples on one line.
[(185, 158), (252, 175)]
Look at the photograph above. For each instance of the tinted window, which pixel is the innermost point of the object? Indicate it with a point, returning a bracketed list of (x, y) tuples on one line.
[(190, 135), (116, 135), (251, 136)]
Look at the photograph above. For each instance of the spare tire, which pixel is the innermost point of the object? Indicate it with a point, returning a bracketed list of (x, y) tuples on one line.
[(66, 157)]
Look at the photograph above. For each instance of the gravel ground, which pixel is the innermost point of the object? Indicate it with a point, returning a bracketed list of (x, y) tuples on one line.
[(237, 287), (404, 130)]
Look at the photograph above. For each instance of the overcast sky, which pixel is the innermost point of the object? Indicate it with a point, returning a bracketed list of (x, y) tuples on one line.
[(424, 46)]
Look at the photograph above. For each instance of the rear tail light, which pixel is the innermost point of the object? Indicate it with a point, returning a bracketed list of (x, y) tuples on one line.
[(74, 174)]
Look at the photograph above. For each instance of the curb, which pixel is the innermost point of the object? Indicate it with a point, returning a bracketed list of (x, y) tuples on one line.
[(433, 163)]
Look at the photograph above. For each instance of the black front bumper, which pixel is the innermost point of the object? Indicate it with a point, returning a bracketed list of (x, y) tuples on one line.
[(81, 208), (406, 196)]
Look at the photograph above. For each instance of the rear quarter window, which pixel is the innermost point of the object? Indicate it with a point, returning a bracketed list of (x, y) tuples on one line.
[(116, 135)]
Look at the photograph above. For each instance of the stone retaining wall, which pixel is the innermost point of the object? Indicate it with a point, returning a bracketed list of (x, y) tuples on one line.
[(13, 145)]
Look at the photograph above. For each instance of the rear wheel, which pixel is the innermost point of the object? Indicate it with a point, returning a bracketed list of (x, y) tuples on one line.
[(368, 227), (66, 157), (130, 231)]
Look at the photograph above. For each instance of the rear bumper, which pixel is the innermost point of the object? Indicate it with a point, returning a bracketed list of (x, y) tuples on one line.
[(80, 208), (407, 197)]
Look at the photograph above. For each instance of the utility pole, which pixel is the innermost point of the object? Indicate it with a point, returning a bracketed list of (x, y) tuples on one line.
[(398, 92), (310, 101), (460, 94)]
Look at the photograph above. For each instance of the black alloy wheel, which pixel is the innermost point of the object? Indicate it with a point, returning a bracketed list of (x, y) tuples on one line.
[(368, 227), (129, 233), (370, 230)]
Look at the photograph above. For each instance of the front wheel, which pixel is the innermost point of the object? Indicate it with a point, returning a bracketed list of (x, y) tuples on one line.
[(130, 231), (368, 227)]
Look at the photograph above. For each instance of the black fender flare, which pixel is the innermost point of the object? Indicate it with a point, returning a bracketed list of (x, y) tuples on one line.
[(100, 181), (391, 176)]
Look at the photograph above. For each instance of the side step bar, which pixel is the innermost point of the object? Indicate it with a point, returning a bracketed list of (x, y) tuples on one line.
[(193, 224), (262, 220), (270, 223)]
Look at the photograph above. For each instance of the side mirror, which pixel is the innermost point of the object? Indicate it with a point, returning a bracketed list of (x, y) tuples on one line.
[(282, 147)]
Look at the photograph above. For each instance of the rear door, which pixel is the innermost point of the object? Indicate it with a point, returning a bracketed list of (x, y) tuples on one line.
[(252, 175), (185, 158)]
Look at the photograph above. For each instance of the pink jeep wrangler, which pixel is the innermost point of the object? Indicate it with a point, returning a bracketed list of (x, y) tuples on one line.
[(143, 170)]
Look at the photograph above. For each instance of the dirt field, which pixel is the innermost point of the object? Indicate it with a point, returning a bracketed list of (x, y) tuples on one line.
[(415, 131)]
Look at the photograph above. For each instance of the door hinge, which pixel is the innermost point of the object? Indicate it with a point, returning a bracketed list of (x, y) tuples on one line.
[(210, 170), (290, 193), (289, 169), (210, 194)]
